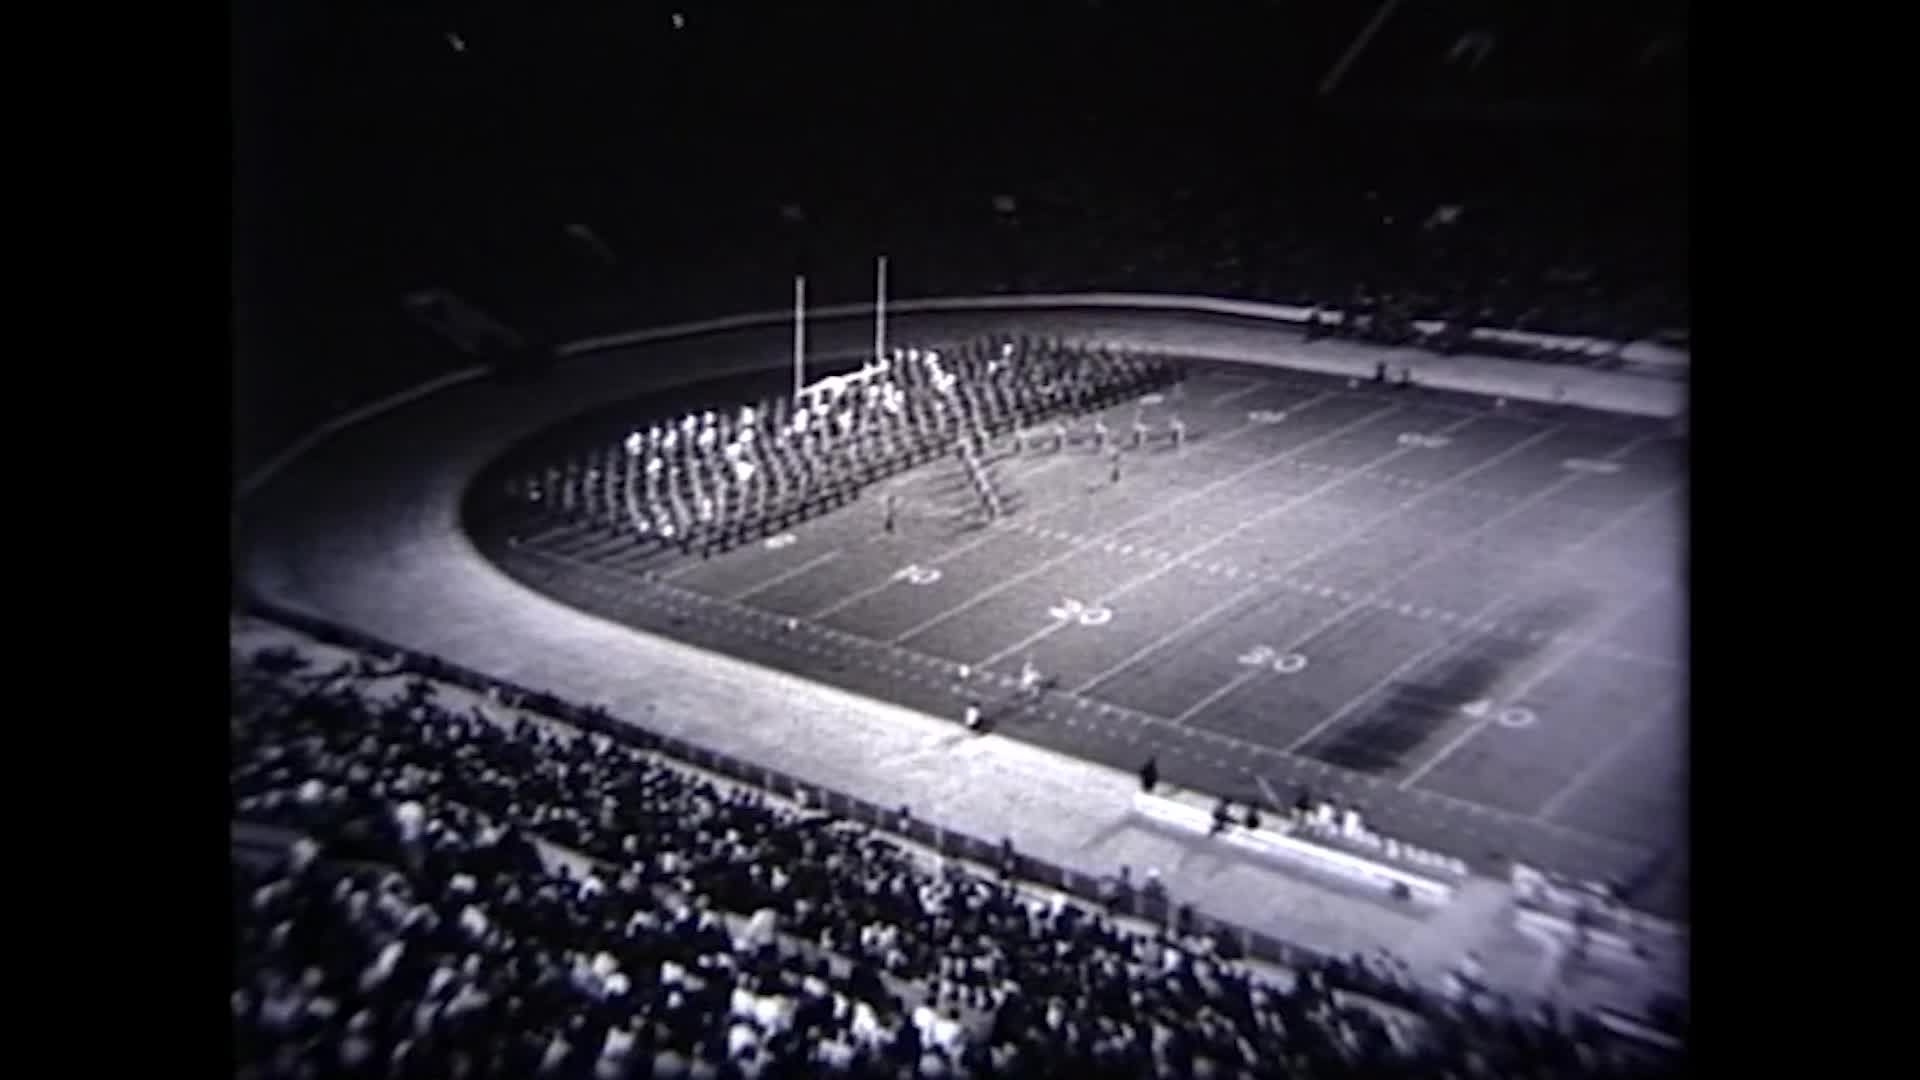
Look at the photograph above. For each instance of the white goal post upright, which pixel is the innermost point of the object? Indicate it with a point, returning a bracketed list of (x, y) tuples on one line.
[(880, 312), (799, 336)]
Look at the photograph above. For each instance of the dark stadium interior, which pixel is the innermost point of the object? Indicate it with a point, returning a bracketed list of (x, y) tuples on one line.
[(1303, 586)]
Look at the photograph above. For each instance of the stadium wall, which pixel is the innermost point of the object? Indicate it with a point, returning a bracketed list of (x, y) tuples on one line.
[(1644, 353), (1230, 331)]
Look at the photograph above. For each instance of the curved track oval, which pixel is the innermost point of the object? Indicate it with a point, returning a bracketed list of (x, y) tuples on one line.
[(365, 530)]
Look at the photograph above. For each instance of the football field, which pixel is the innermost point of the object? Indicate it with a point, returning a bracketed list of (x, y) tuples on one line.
[(1463, 617)]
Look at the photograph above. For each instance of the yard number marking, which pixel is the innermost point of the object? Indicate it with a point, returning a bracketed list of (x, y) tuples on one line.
[(1517, 717), (1283, 663), (917, 575), (1266, 416), (785, 539), (1512, 716), (1074, 611), (1424, 442), (1588, 465)]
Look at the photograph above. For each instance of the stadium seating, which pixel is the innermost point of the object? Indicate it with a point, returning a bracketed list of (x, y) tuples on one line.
[(477, 894)]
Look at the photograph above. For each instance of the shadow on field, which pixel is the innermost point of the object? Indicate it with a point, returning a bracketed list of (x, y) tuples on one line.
[(1410, 713)]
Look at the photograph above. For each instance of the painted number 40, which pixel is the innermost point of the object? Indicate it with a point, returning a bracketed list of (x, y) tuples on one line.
[(1076, 612), (1284, 663)]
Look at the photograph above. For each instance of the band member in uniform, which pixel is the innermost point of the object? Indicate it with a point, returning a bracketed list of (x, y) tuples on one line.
[(1029, 678)]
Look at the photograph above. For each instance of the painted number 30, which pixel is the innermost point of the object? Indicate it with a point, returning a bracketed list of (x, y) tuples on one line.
[(1284, 663), (1077, 612), (917, 575)]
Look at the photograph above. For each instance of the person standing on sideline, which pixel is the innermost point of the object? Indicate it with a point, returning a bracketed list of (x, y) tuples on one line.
[(1150, 774), (973, 716), (893, 505), (1113, 459), (1029, 678)]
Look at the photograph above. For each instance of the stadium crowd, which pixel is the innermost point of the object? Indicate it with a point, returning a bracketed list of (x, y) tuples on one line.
[(713, 480), (478, 893)]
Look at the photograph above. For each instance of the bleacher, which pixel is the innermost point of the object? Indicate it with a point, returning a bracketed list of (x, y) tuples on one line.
[(473, 892)]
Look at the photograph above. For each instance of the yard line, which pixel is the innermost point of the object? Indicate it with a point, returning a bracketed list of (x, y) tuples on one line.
[(1231, 394), (1339, 538), (1526, 685), (1255, 750), (689, 567), (1167, 638), (795, 572), (1064, 455), (1600, 764), (1224, 689), (1058, 459), (1467, 620), (1453, 744), (568, 536), (549, 533), (1059, 507), (1157, 511)]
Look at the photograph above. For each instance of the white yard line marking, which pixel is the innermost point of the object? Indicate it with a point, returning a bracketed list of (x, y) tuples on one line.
[(1167, 638), (1223, 690), (1067, 504), (686, 568), (1542, 672), (778, 578), (1648, 721), (1338, 539), (1053, 461), (1222, 399), (1471, 622), (549, 533), (1526, 685), (1157, 511), (1453, 744), (1254, 750)]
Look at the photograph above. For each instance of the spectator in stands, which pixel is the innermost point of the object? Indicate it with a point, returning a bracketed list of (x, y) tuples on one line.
[(493, 958)]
